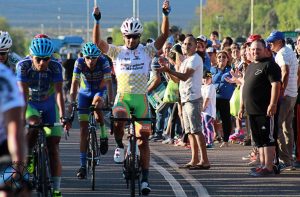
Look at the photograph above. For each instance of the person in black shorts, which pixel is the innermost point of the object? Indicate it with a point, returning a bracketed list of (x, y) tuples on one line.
[(260, 95)]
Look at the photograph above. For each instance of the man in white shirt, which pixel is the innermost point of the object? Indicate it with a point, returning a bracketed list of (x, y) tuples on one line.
[(287, 61), (190, 78)]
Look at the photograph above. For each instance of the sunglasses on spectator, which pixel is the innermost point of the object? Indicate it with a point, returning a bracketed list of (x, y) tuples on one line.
[(3, 53), (90, 58), (222, 56), (135, 36), (38, 59)]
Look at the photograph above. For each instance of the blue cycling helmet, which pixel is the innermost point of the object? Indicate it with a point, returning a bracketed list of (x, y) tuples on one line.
[(90, 49), (41, 47)]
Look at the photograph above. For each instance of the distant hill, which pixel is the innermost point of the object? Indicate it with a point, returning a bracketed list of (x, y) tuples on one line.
[(73, 13)]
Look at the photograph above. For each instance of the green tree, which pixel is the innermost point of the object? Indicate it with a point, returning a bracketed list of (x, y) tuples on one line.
[(20, 44), (268, 15)]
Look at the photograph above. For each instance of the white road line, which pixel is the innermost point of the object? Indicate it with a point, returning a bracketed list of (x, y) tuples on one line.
[(201, 191), (178, 190)]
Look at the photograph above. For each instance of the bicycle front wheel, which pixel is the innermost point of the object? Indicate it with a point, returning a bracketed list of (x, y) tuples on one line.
[(93, 149), (43, 176)]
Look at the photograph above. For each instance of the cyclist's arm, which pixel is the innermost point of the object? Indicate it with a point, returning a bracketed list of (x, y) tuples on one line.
[(15, 134), (24, 88), (164, 29), (103, 46), (108, 83), (60, 98), (74, 89)]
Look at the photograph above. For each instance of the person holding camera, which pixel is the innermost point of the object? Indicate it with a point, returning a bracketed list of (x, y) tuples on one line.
[(224, 92)]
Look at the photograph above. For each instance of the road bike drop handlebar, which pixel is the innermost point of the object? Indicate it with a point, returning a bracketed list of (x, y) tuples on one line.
[(41, 125)]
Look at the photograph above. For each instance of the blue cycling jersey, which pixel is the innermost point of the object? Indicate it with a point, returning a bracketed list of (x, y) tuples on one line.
[(41, 83), (90, 80)]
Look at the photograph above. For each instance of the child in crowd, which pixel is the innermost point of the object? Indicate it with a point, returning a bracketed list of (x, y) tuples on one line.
[(209, 108)]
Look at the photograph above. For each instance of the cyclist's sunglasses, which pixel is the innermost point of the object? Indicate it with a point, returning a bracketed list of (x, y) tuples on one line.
[(38, 59), (134, 36), (89, 57), (3, 53)]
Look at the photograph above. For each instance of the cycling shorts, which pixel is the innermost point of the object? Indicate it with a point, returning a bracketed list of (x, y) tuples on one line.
[(136, 102), (85, 101), (50, 115)]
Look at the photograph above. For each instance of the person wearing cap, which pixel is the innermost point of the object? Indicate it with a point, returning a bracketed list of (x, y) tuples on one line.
[(212, 53), (209, 108), (201, 50), (297, 109), (132, 62), (288, 63)]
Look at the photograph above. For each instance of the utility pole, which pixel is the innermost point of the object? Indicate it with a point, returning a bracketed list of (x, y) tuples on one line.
[(201, 23), (252, 16)]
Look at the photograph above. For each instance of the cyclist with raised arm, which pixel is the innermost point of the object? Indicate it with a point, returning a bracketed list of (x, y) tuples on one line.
[(7, 57), (12, 138), (132, 66), (40, 80), (92, 72)]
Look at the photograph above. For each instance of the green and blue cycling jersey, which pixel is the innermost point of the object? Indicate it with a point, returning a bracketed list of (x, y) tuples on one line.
[(92, 82), (41, 96)]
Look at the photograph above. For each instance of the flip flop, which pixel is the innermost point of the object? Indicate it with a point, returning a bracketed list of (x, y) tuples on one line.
[(199, 167), (186, 166)]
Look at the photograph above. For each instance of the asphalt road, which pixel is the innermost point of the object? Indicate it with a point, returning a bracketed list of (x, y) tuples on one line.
[(228, 175)]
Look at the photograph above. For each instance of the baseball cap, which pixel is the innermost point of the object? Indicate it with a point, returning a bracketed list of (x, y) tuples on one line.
[(206, 74), (202, 37), (252, 38), (275, 35)]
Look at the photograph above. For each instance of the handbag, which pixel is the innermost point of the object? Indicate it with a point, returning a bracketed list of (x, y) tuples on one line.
[(172, 92)]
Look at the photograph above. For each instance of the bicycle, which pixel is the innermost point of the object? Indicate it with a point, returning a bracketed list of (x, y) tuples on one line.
[(93, 152), (41, 179), (131, 165)]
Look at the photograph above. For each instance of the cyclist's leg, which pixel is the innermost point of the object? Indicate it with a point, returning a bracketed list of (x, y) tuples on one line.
[(32, 117), (143, 131), (99, 103), (53, 135), (55, 163), (120, 110), (83, 102)]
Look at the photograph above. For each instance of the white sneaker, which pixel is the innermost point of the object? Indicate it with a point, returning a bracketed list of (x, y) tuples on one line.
[(145, 189), (119, 155)]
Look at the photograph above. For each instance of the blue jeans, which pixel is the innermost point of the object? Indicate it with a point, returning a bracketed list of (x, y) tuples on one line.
[(162, 117)]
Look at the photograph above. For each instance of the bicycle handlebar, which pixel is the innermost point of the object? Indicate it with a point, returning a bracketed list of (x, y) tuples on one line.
[(41, 125), (133, 119)]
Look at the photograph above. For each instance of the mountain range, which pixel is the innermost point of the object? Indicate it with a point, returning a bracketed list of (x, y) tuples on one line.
[(73, 13)]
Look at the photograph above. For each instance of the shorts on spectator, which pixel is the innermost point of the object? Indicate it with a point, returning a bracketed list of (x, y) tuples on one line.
[(191, 112)]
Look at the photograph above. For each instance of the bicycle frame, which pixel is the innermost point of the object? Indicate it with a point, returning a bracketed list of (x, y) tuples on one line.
[(42, 172), (93, 154), (132, 167)]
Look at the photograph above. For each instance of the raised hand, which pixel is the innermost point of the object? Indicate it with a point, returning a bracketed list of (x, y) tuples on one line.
[(166, 9), (97, 13)]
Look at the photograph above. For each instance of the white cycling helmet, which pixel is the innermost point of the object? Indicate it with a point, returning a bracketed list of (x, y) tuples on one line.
[(5, 40), (132, 26)]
